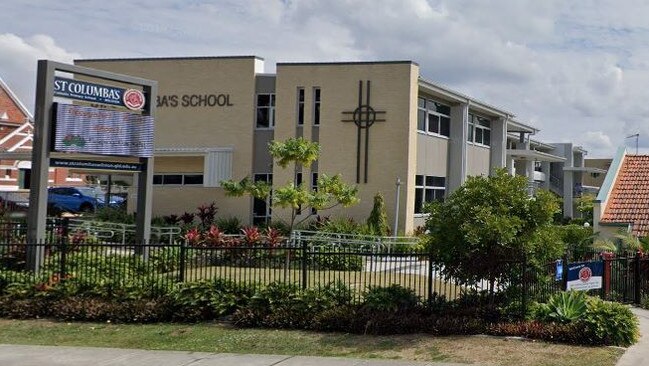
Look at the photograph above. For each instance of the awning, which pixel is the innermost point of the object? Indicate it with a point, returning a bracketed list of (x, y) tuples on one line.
[(534, 155)]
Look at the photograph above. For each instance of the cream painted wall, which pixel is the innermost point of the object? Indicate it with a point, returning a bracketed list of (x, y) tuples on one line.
[(392, 144), (478, 160), (199, 126)]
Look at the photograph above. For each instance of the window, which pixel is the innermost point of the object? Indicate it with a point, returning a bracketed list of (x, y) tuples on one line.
[(300, 106), (178, 179), (433, 117), (314, 187), (428, 189), (316, 106), (298, 182), (265, 111), (479, 130), (261, 209)]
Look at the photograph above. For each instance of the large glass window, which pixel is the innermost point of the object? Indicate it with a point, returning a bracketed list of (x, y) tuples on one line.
[(265, 111), (178, 179), (300, 106), (433, 117), (428, 189), (316, 106), (261, 210), (479, 130)]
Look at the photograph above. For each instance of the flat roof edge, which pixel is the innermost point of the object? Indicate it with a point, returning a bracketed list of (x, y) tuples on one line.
[(346, 63), (167, 58)]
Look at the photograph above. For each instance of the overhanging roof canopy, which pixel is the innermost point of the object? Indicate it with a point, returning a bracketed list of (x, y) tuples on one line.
[(521, 154)]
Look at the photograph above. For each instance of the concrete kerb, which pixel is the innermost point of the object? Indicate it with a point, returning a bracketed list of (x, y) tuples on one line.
[(23, 355)]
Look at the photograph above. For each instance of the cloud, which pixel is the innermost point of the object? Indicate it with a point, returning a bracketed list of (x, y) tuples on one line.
[(596, 141), (18, 59), (577, 71)]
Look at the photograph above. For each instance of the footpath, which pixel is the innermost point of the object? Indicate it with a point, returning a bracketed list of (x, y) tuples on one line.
[(638, 354), (19, 355)]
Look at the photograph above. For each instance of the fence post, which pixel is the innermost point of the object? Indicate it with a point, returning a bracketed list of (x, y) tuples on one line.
[(430, 275), (637, 278), (524, 295), (304, 263), (63, 247), (564, 275), (181, 265)]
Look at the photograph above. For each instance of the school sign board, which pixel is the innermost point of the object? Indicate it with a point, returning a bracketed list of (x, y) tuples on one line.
[(132, 99), (88, 130), (585, 276)]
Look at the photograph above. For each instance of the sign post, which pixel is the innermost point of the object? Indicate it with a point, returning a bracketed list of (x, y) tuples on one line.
[(140, 104)]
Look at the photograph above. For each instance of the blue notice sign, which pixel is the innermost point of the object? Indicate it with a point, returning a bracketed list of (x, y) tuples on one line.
[(585, 275), (97, 93)]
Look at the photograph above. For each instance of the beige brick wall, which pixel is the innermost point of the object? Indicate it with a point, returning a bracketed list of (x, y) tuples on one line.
[(392, 144)]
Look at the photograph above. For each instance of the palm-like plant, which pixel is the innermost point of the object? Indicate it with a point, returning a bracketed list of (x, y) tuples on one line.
[(564, 307)]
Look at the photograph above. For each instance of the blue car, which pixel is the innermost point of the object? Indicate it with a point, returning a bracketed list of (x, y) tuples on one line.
[(77, 199)]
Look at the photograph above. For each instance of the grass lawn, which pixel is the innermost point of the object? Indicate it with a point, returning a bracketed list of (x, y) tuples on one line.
[(222, 338), (357, 280)]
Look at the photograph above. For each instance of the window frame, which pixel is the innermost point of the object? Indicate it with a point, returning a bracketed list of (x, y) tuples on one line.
[(423, 188), (301, 99), (475, 126), (268, 178), (317, 106), (160, 178), (430, 109), (271, 111)]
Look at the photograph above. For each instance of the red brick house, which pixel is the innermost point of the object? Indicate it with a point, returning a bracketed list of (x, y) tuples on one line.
[(16, 134)]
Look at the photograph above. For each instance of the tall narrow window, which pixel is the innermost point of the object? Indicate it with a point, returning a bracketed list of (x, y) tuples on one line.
[(261, 210), (265, 111), (300, 106), (316, 106), (314, 187)]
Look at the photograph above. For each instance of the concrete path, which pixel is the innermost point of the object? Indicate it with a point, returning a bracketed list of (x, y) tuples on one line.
[(18, 355), (638, 354)]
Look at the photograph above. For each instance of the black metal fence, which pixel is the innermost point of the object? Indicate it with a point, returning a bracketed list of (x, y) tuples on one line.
[(157, 267), (307, 261)]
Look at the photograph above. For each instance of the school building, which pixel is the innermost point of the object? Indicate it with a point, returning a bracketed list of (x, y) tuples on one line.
[(376, 122)]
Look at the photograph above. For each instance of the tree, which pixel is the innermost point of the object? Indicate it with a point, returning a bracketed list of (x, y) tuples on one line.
[(332, 190), (489, 225), (585, 204), (377, 222)]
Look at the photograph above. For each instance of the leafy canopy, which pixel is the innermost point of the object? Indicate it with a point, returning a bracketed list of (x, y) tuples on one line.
[(490, 222), (332, 190)]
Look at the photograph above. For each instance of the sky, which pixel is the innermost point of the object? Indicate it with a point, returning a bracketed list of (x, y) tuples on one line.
[(577, 70)]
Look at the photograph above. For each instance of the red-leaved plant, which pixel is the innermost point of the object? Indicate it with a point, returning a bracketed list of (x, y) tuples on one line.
[(251, 235), (206, 213), (187, 218), (193, 236), (214, 237), (273, 237)]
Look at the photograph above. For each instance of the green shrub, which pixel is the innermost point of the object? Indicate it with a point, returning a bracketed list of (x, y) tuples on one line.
[(229, 225), (610, 323), (377, 222), (113, 214), (563, 308), (334, 258), (394, 298)]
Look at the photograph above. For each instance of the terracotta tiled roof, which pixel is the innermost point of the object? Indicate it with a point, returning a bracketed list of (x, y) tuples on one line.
[(628, 201)]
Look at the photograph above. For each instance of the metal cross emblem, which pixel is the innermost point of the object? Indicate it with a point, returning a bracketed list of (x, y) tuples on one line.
[(364, 116)]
